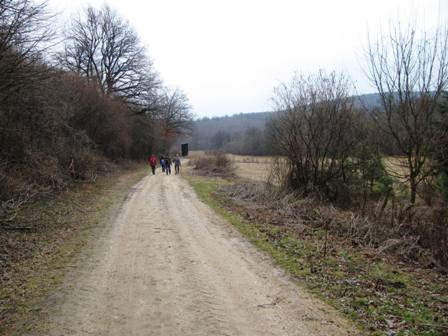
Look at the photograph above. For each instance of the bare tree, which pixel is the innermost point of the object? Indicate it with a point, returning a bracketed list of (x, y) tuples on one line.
[(221, 138), (24, 29), (440, 154), (410, 73), (314, 129), (173, 117), (104, 48)]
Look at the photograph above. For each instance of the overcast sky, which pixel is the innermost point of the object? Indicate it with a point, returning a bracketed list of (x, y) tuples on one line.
[(227, 55)]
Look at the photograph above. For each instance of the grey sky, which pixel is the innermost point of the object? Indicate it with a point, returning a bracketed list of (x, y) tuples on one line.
[(227, 55)]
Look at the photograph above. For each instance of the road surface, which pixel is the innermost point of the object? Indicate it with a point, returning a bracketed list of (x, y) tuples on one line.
[(168, 265)]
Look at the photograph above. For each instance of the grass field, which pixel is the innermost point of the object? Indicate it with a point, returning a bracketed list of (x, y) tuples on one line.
[(254, 168)]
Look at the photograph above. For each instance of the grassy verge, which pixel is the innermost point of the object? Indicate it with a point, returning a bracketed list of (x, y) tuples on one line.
[(380, 297), (60, 228)]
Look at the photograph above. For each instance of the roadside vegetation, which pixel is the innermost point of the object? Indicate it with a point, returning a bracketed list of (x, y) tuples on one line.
[(383, 293), (56, 231)]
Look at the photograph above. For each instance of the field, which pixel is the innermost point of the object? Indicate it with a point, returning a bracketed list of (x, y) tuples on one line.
[(254, 168), (257, 168)]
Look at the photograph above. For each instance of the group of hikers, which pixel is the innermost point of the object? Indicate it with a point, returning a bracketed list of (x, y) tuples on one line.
[(165, 162)]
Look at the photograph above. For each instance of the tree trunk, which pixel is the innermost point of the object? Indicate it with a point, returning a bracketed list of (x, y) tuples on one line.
[(413, 183)]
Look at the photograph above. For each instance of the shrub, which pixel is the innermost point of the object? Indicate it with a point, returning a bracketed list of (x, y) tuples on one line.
[(213, 163)]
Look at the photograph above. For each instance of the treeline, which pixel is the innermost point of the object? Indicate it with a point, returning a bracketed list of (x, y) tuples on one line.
[(65, 115), (248, 133), (252, 141), (238, 134)]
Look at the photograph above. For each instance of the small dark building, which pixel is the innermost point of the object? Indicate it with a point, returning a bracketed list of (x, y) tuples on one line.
[(184, 148)]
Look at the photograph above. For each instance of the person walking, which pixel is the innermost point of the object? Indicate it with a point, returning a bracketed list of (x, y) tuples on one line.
[(177, 164), (153, 163), (168, 166), (162, 163)]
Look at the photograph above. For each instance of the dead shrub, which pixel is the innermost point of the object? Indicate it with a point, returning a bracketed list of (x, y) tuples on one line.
[(213, 163), (278, 173), (85, 166), (417, 234)]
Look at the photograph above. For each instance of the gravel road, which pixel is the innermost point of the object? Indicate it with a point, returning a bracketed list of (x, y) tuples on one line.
[(167, 265)]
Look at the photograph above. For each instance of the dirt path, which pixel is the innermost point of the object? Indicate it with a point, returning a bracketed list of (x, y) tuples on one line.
[(169, 266)]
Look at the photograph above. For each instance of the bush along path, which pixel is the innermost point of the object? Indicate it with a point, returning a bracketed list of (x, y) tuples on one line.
[(43, 245), (383, 295)]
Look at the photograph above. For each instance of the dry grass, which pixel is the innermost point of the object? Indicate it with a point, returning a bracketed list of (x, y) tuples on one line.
[(255, 168), (397, 167), (195, 153), (419, 221), (258, 168), (250, 159), (252, 171)]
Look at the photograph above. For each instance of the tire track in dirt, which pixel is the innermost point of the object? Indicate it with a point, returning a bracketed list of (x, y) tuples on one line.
[(168, 265)]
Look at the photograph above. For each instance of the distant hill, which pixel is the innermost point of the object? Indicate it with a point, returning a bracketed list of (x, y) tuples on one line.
[(206, 128), (239, 121)]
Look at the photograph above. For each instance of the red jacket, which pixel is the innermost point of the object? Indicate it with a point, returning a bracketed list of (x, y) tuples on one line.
[(152, 160)]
